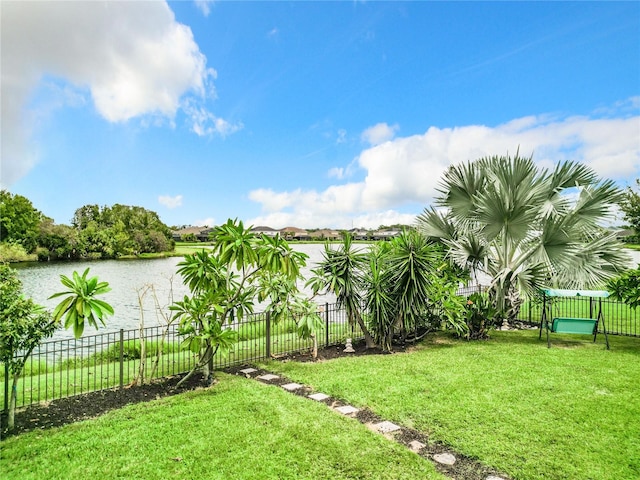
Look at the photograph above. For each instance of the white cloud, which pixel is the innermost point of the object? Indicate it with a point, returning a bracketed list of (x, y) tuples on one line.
[(343, 172), (379, 133), (132, 58), (205, 222), (170, 202), (273, 32), (406, 171), (336, 172), (342, 136), (204, 6), (205, 124)]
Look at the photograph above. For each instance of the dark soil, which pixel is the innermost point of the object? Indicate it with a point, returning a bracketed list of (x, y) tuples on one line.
[(82, 407), (90, 405)]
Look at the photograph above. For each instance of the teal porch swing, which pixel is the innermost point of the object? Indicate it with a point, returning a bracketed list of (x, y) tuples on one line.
[(579, 326)]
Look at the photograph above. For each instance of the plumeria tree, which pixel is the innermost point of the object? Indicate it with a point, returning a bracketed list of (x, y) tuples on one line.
[(226, 282), (24, 324), (526, 227)]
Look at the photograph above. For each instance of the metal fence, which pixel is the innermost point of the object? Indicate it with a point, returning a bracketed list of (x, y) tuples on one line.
[(64, 368), (619, 318)]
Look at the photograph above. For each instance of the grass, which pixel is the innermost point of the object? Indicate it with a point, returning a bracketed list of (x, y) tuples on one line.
[(569, 412), (239, 429)]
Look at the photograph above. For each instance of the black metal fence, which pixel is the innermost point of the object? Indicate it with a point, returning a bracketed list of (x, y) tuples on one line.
[(64, 368), (619, 318)]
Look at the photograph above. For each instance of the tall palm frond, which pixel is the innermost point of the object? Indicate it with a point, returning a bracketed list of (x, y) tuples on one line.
[(525, 226)]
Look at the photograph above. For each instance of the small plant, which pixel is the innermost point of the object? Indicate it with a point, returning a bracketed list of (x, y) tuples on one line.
[(80, 303), (480, 316), (626, 288)]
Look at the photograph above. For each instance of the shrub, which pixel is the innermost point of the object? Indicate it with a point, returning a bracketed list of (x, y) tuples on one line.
[(480, 316)]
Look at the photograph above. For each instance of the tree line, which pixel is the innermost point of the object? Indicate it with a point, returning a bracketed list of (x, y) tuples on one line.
[(95, 232)]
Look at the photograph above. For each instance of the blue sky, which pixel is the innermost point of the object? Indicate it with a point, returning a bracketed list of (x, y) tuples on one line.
[(309, 114)]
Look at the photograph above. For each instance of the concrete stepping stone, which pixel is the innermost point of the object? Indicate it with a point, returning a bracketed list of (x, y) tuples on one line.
[(415, 446), (268, 377), (291, 387), (493, 477), (319, 397), (248, 371), (387, 427), (444, 458), (347, 410)]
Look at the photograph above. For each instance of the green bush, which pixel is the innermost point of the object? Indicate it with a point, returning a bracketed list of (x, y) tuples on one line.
[(14, 252), (626, 288), (480, 316)]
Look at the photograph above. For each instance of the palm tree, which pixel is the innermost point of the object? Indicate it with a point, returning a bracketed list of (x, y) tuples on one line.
[(341, 272), (525, 227), (412, 265)]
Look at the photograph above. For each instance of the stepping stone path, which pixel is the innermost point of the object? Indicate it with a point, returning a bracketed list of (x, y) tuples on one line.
[(447, 460), (292, 387), (444, 458), (346, 410), (319, 397), (386, 427), (415, 446)]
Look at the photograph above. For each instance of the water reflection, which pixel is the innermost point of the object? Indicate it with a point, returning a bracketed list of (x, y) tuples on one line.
[(128, 279)]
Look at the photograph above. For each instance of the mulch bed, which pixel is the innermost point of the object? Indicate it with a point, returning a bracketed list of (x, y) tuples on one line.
[(90, 405)]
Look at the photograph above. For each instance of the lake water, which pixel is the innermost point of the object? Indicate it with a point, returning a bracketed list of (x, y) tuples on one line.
[(128, 278)]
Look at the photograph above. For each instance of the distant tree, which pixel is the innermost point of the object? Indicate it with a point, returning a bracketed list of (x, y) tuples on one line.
[(630, 205), (120, 230), (189, 237), (19, 221), (57, 241)]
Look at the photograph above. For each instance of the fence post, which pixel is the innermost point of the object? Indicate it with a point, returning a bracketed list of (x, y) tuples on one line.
[(590, 307), (5, 407), (326, 323), (121, 358), (268, 335)]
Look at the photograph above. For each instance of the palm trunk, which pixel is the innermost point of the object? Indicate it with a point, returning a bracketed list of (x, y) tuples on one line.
[(370, 342)]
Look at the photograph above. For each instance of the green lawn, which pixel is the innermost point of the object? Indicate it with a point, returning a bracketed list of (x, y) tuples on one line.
[(239, 429), (569, 412)]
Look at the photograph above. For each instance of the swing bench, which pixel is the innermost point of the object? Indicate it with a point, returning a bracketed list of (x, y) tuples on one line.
[(579, 326)]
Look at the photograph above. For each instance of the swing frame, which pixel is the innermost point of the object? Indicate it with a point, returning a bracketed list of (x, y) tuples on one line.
[(580, 326)]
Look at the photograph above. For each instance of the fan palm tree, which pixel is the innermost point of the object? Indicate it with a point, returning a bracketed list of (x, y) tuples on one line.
[(525, 227)]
